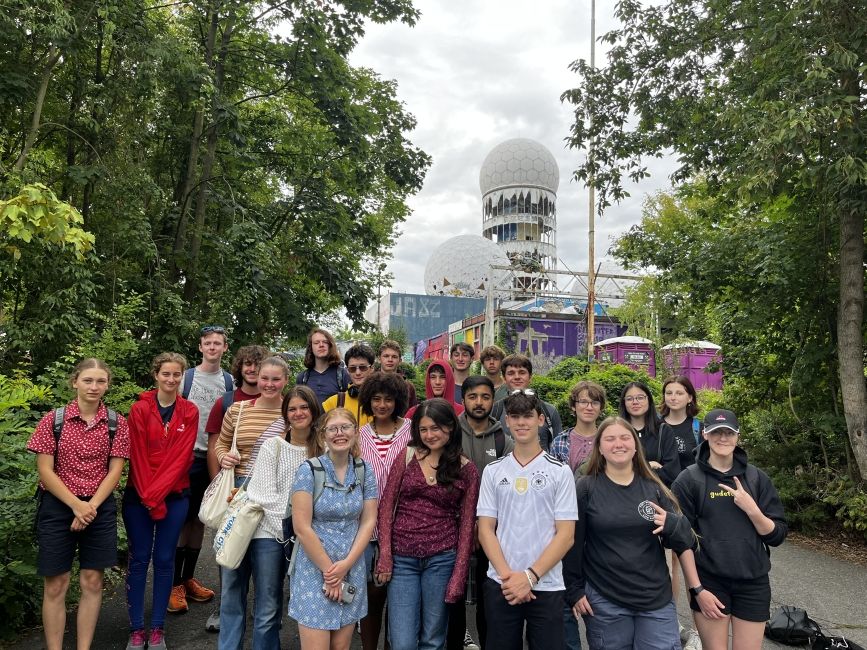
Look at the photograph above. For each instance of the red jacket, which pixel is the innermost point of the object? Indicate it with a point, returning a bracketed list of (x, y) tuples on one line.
[(160, 456)]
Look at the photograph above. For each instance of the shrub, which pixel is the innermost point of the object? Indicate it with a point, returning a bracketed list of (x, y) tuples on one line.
[(21, 404)]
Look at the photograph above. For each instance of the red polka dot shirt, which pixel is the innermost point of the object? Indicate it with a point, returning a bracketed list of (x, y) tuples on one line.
[(82, 461)]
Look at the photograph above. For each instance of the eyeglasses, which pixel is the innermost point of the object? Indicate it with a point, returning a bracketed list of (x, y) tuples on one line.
[(637, 399), (363, 368), (584, 403), (529, 392), (342, 428), (213, 329), (722, 433)]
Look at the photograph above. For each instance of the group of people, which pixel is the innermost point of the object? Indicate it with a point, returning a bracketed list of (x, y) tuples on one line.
[(397, 505)]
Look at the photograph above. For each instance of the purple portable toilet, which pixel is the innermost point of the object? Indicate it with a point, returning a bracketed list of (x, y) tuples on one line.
[(635, 352), (693, 358)]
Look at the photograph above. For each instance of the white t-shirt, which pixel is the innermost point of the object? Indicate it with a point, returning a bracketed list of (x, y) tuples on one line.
[(526, 501), (207, 388)]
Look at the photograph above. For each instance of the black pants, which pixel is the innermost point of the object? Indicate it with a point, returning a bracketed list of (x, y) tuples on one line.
[(458, 611), (543, 616)]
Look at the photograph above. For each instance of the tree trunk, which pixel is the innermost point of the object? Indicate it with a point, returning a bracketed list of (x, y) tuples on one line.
[(202, 198), (850, 319), (53, 58)]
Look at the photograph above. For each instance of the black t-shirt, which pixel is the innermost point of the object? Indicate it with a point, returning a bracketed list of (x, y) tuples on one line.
[(166, 412), (686, 435), (615, 548)]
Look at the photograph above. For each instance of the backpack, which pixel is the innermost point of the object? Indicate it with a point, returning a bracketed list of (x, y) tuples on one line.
[(188, 384), (227, 400), (341, 387), (697, 476), (288, 540), (57, 428)]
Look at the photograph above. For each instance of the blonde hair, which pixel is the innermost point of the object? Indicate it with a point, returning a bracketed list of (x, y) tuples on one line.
[(87, 364), (325, 419), (596, 464)]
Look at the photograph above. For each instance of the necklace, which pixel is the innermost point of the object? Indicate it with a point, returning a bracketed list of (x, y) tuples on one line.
[(431, 480), (384, 436)]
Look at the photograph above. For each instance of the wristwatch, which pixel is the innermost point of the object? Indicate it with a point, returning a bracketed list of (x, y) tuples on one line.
[(695, 591)]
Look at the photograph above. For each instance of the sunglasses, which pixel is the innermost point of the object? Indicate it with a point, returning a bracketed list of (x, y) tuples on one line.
[(529, 392), (213, 329)]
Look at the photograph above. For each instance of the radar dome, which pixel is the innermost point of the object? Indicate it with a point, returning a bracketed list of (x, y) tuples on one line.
[(519, 162), (462, 267)]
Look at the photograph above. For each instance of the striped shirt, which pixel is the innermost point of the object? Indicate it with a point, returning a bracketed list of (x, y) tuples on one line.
[(257, 425), (380, 454)]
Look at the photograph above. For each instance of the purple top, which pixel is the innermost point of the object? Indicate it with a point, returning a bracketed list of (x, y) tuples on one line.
[(420, 520)]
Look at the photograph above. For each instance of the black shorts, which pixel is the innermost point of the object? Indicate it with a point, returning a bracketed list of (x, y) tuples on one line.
[(748, 600), (97, 543), (200, 479)]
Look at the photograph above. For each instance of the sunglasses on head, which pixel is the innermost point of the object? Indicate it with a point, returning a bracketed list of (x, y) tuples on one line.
[(213, 329)]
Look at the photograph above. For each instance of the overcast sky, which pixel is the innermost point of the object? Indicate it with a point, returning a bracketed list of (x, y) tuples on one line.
[(478, 72)]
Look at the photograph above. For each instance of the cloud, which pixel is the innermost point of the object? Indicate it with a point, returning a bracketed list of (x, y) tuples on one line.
[(477, 73)]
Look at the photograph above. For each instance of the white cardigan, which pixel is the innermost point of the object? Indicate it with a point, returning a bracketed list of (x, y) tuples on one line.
[(271, 483)]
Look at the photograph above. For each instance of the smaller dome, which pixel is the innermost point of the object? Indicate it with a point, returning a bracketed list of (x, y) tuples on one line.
[(519, 162), (461, 266)]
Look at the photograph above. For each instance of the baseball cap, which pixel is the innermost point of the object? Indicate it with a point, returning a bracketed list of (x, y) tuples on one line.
[(719, 418)]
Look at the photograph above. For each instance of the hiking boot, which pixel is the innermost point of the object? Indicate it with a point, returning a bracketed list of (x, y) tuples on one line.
[(213, 624), (197, 591), (178, 600), (136, 640), (157, 640), (469, 644)]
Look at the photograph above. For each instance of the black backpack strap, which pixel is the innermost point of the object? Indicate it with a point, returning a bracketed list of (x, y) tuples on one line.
[(112, 431), (305, 377), (499, 442), (341, 399), (57, 429), (341, 386), (698, 480)]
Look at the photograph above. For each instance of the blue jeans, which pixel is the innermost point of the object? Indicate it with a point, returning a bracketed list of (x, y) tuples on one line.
[(266, 563), (571, 630), (616, 628), (148, 538), (417, 612)]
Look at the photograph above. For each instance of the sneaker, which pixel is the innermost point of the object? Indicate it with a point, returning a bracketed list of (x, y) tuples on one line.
[(178, 600), (197, 591), (157, 640), (136, 640), (693, 642), (213, 624), (469, 644)]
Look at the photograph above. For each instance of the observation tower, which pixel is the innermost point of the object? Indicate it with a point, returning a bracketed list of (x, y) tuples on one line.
[(519, 181)]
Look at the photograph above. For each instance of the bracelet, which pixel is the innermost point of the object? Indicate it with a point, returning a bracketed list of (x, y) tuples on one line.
[(529, 578), (531, 570)]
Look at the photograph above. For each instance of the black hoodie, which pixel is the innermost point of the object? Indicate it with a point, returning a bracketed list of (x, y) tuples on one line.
[(729, 545)]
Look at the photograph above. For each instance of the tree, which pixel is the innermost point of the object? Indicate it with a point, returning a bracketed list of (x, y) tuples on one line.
[(763, 100)]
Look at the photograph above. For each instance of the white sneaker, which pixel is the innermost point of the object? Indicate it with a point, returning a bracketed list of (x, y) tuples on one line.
[(213, 624), (469, 644), (693, 642)]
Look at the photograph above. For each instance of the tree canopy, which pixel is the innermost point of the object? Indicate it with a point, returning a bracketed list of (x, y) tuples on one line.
[(764, 103), (228, 162)]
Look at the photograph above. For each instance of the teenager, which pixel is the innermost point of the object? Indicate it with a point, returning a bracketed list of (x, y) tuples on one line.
[(162, 431), (359, 363), (390, 354), (383, 441), (660, 451), (518, 373), (461, 356), (245, 372), (439, 382), (483, 441), (679, 421), (426, 526), (573, 447), (526, 524), (587, 401), (616, 574), (257, 421), (78, 472), (202, 385), (737, 514), (324, 373), (491, 358), (328, 578)]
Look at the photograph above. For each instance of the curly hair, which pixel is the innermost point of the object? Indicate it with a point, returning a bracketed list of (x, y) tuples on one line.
[(247, 354), (168, 357), (389, 384)]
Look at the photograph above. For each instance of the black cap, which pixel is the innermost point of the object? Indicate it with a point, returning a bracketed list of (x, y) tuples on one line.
[(719, 418)]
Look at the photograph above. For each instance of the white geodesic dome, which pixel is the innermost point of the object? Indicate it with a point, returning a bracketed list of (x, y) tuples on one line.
[(462, 267), (519, 162)]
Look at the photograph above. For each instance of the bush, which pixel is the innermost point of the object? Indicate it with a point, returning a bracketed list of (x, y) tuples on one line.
[(850, 502), (21, 405)]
